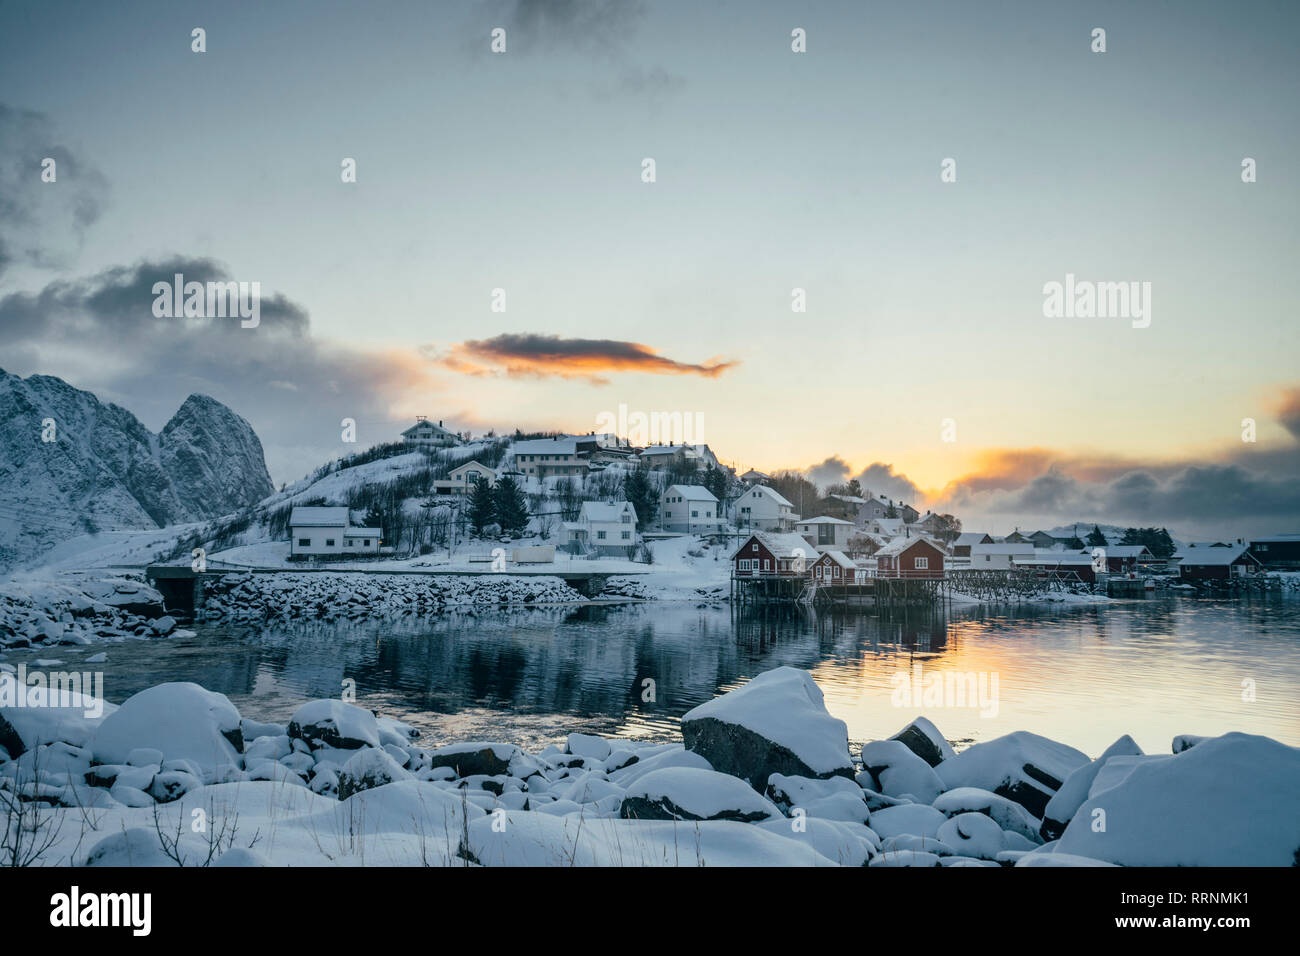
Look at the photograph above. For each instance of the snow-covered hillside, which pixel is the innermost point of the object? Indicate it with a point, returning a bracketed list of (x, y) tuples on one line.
[(71, 465)]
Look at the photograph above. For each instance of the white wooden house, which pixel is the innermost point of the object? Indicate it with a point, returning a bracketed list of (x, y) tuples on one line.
[(826, 532), (316, 531), (608, 527), (761, 507), (689, 508), (462, 479), (425, 432)]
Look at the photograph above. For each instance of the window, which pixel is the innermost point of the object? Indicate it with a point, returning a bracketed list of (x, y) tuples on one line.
[(627, 518), (366, 542), (754, 548), (329, 542), (743, 564), (767, 564), (347, 542), (600, 535), (695, 514), (627, 535), (921, 564), (304, 542)]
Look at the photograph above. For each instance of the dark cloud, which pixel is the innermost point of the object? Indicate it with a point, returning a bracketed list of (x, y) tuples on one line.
[(42, 223), (1224, 497), (832, 471), (881, 479), (100, 333), (600, 25), (533, 355)]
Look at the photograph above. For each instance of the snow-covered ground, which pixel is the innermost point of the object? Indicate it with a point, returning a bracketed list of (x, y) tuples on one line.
[(87, 783)]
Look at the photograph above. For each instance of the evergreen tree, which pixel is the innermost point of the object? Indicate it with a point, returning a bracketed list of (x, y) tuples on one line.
[(511, 506), (716, 481), (1095, 538), (482, 506), (638, 490)]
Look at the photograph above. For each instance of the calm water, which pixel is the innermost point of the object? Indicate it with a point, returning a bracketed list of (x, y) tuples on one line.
[(1084, 676)]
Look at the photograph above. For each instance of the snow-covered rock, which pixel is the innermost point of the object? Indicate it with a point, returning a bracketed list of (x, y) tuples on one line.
[(473, 758), (972, 834), (1228, 801), (1021, 766), (183, 721), (333, 723), (1007, 814), (916, 819), (899, 772), (923, 739), (368, 769), (31, 715), (776, 723), (684, 793), (1074, 791)]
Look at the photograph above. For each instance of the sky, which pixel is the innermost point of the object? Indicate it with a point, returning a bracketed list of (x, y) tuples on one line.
[(924, 363)]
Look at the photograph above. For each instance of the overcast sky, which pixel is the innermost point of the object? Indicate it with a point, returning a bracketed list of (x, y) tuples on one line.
[(775, 170)]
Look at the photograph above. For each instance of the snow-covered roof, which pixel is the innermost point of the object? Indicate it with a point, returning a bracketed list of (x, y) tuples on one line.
[(825, 519), (427, 425), (318, 517), (1287, 538), (690, 492), (899, 545), (607, 510), (467, 466), (851, 499), (564, 445), (1053, 558), (774, 495), (666, 450), (1213, 557), (971, 537), (1121, 550), (1001, 548), (782, 545), (361, 533), (840, 558)]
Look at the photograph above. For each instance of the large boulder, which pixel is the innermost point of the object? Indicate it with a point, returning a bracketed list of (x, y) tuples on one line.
[(182, 721), (1021, 766), (333, 723), (1228, 801), (1074, 791), (687, 793), (776, 723)]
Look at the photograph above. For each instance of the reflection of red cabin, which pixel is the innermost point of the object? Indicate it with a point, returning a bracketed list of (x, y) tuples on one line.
[(909, 558)]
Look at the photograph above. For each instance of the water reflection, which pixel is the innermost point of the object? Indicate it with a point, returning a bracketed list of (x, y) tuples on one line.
[(1083, 675)]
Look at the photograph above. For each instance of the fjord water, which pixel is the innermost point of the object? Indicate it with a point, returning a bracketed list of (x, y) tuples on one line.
[(1083, 675)]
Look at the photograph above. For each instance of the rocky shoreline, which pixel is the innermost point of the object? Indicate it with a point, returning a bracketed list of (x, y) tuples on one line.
[(763, 776)]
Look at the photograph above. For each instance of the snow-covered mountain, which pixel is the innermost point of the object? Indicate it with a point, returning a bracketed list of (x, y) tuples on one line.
[(104, 470)]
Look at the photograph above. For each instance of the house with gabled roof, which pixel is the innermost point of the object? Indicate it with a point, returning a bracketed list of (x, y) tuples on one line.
[(762, 507), (689, 508), (316, 531)]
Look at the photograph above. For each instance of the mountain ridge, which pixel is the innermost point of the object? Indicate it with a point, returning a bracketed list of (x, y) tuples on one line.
[(104, 470)]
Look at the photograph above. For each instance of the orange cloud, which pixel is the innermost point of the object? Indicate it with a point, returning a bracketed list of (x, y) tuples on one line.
[(550, 356)]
